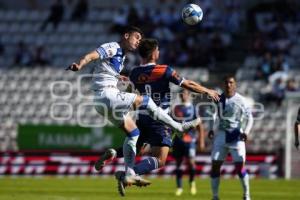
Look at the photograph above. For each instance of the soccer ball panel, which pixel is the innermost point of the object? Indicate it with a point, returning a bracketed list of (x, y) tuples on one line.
[(192, 14)]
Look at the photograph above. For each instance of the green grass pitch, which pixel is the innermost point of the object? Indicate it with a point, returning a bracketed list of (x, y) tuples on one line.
[(53, 188)]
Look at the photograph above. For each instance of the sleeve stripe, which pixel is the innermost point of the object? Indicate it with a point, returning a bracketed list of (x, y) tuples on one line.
[(182, 79), (102, 52)]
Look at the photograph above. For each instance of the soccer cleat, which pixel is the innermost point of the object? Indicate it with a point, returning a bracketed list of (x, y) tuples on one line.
[(136, 180), (193, 188), (215, 198), (246, 197), (129, 180), (178, 192), (191, 124), (120, 178), (108, 156)]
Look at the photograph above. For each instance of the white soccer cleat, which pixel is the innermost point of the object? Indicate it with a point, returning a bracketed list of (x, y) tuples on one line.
[(178, 192), (126, 180), (108, 156), (129, 180), (136, 180), (246, 197), (193, 188), (191, 124)]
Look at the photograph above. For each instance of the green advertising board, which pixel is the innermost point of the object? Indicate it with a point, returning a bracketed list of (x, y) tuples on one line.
[(50, 137)]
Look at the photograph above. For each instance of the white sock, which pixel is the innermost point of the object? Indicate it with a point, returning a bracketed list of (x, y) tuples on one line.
[(245, 184), (158, 113), (129, 151), (215, 186)]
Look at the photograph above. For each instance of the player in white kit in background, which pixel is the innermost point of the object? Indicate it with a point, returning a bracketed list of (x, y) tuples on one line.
[(235, 122), (117, 104)]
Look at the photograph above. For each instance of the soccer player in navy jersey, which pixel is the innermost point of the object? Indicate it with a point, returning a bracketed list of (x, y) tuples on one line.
[(153, 79)]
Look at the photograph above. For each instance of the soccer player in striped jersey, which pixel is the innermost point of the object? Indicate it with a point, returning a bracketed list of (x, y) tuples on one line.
[(235, 123)]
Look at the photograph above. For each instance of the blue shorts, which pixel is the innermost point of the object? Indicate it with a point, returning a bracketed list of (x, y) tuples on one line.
[(183, 149), (153, 132)]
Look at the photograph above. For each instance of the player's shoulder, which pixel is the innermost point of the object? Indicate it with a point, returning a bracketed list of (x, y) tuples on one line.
[(161, 66), (112, 45), (239, 96), (160, 69), (242, 99)]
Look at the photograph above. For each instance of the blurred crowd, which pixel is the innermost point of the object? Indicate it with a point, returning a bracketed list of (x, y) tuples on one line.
[(275, 32), (30, 55), (180, 44)]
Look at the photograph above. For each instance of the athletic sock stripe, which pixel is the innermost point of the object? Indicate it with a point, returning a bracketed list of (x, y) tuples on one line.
[(155, 162), (133, 133)]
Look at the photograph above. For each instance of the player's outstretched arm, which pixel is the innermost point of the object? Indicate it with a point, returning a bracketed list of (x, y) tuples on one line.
[(196, 87), (94, 55)]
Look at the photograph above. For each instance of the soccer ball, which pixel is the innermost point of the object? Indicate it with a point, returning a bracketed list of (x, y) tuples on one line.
[(192, 14)]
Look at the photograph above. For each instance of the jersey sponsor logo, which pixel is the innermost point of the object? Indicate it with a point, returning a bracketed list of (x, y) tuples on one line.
[(110, 53), (142, 78)]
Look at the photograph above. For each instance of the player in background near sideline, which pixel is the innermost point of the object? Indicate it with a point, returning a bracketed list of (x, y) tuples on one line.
[(115, 105), (185, 147), (235, 123), (297, 129)]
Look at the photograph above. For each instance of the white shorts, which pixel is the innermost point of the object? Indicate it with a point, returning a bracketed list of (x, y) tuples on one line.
[(114, 104), (221, 149)]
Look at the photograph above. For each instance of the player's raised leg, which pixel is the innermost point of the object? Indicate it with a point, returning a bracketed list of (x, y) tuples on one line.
[(146, 102), (156, 160)]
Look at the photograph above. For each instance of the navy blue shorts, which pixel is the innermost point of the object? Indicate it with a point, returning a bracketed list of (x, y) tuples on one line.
[(183, 149), (153, 132)]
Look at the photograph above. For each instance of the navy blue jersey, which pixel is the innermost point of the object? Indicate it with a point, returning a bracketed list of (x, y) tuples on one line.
[(186, 113), (153, 80)]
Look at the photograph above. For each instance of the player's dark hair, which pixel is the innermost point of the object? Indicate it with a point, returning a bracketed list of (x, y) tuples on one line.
[(147, 46), (227, 77), (131, 29)]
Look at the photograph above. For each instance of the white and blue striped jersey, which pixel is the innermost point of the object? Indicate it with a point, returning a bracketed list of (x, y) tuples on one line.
[(234, 114), (109, 65)]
